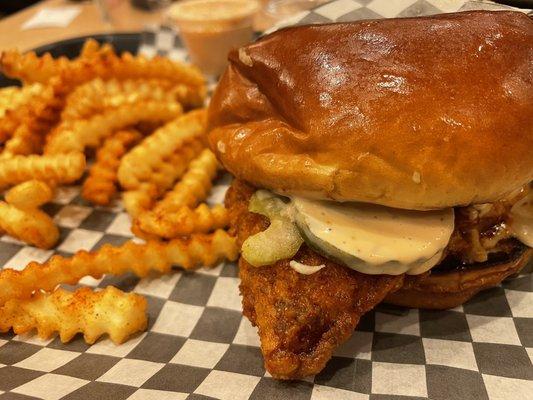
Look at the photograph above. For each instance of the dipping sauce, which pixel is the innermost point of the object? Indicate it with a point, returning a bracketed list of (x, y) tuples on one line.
[(211, 28)]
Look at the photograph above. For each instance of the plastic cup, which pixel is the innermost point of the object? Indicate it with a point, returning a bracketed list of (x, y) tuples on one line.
[(211, 28)]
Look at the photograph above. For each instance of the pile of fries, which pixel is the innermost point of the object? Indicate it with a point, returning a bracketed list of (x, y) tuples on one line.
[(143, 122)]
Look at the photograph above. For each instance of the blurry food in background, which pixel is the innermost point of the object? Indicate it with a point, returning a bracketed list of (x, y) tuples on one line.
[(275, 11), (211, 28), (141, 119)]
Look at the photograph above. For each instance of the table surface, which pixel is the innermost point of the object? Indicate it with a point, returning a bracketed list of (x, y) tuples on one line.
[(89, 21)]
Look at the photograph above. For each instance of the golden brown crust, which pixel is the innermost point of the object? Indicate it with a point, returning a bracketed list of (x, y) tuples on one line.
[(448, 290), (301, 318), (410, 113)]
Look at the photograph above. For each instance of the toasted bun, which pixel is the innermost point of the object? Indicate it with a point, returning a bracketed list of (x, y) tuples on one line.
[(416, 113), (447, 290)]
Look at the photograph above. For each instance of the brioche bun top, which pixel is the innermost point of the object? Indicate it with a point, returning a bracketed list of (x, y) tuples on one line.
[(415, 113)]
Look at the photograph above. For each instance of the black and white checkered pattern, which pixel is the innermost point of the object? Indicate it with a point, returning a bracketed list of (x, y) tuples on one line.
[(199, 346)]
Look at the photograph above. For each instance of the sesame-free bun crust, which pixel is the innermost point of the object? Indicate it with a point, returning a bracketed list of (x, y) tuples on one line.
[(416, 113)]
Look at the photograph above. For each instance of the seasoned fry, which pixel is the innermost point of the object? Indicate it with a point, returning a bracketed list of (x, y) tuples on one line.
[(24, 141), (109, 311), (139, 163), (100, 186), (36, 111), (159, 180), (29, 67), (29, 194), (91, 132), (103, 62), (185, 221), (65, 168), (98, 95), (137, 201), (13, 96), (97, 61), (188, 253), (7, 97), (194, 186), (172, 216), (32, 226)]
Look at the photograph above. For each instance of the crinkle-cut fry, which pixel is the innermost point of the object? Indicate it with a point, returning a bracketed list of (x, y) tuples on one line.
[(7, 97), (101, 184), (189, 253), (24, 141), (109, 311), (194, 185), (30, 225), (30, 194), (164, 175), (13, 96), (98, 95), (90, 133), (57, 169), (103, 62), (38, 110), (139, 200), (159, 180), (29, 67), (169, 225), (159, 146)]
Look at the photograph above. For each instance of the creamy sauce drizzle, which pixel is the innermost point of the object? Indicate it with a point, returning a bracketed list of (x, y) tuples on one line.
[(381, 240)]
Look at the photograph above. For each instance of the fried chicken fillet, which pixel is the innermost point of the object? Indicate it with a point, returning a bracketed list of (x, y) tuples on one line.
[(301, 319)]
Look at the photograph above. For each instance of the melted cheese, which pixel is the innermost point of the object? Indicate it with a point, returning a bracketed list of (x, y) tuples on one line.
[(375, 239), (521, 223)]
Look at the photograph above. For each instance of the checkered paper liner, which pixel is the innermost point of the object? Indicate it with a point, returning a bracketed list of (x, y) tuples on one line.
[(199, 346)]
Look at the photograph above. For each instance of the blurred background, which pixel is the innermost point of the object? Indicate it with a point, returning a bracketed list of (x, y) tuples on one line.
[(27, 24)]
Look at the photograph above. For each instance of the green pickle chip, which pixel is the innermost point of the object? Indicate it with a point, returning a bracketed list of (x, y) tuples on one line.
[(280, 240)]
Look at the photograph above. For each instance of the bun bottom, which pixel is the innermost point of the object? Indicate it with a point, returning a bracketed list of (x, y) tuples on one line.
[(449, 289)]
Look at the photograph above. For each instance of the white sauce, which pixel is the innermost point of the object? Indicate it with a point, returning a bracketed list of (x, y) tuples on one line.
[(304, 268), (522, 220), (382, 240)]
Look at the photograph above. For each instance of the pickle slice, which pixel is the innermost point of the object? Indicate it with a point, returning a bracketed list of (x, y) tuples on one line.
[(268, 204), (281, 240)]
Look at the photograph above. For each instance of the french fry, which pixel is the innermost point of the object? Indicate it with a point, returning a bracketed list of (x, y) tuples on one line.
[(109, 311), (194, 186), (97, 61), (173, 216), (98, 95), (139, 200), (32, 226), (189, 253), (185, 221), (91, 132), (65, 168), (100, 186), (13, 96), (36, 111), (23, 142), (29, 194), (140, 162), (157, 181), (29, 67)]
